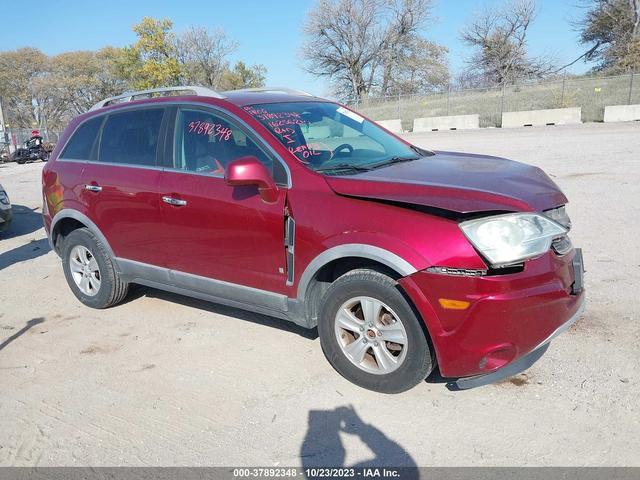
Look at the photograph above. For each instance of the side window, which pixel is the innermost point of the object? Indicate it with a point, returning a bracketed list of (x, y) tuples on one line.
[(82, 141), (207, 143), (131, 137)]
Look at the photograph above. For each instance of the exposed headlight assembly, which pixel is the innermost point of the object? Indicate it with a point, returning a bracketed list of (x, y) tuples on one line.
[(511, 238), (559, 215)]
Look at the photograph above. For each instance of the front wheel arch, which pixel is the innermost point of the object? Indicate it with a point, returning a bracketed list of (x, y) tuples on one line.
[(329, 272)]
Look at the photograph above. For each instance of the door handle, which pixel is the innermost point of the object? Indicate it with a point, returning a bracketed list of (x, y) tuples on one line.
[(176, 202), (93, 188)]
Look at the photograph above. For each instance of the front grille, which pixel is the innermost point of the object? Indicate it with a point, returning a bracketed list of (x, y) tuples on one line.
[(460, 272)]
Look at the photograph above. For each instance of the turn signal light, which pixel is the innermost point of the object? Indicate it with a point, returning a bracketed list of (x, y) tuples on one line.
[(450, 304)]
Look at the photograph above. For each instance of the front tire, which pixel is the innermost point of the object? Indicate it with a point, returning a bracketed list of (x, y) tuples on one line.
[(371, 335), (90, 272)]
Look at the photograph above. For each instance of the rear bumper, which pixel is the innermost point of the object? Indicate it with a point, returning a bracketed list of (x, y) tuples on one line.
[(508, 318), (46, 220)]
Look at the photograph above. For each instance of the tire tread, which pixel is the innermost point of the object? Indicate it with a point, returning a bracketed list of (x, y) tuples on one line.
[(119, 288), (415, 375)]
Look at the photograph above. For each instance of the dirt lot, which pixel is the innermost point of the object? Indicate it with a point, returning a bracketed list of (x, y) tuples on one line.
[(165, 380)]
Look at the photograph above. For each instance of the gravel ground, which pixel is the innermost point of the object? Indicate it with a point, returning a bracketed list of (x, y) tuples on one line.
[(165, 380)]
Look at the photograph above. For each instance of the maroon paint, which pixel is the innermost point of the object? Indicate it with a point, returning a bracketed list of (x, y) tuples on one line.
[(229, 232), (249, 171)]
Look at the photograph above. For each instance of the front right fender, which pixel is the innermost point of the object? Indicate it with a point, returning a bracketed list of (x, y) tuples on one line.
[(358, 250)]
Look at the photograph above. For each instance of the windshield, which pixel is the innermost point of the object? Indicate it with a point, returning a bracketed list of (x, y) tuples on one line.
[(331, 139)]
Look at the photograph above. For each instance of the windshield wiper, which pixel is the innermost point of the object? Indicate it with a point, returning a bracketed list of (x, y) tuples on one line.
[(422, 152), (393, 160), (344, 166)]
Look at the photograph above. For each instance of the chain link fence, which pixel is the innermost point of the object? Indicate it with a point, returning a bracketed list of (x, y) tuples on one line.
[(13, 138), (592, 94)]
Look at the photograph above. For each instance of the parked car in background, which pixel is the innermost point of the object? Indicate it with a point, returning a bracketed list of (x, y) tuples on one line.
[(294, 206), (5, 210)]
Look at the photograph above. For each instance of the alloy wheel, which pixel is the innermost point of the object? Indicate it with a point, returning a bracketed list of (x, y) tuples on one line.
[(371, 335), (85, 270)]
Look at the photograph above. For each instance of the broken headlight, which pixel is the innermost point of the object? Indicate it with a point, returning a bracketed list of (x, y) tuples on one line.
[(511, 238), (560, 216)]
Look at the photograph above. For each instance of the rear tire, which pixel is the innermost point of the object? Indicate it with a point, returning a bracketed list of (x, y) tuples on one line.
[(371, 335), (90, 272)]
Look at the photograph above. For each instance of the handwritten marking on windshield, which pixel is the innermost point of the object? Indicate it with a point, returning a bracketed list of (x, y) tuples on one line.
[(287, 134), (305, 151)]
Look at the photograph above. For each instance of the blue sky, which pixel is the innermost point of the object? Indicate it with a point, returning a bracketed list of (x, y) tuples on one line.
[(268, 31)]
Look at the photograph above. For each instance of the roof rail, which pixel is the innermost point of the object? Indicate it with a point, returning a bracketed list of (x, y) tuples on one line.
[(130, 96), (290, 91)]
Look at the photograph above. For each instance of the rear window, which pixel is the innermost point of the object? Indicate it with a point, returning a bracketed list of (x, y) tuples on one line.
[(82, 141), (131, 137)]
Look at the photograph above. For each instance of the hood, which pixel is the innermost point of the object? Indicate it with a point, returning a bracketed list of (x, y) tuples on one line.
[(458, 182)]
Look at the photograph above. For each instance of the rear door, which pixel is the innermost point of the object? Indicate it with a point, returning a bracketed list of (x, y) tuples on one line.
[(213, 230), (71, 166), (121, 186)]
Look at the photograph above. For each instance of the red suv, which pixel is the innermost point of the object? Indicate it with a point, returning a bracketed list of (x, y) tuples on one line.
[(289, 205)]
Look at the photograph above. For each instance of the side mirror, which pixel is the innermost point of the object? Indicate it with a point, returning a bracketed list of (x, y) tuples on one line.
[(250, 171)]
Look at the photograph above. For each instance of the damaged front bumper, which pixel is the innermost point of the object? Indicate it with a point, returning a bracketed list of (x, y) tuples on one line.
[(485, 328), (518, 365)]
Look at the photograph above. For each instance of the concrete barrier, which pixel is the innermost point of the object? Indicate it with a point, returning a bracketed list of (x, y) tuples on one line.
[(556, 116), (621, 113), (451, 122), (394, 125)]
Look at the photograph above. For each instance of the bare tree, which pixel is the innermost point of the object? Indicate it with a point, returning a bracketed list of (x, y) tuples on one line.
[(499, 37), (401, 45), (362, 45), (635, 12), (419, 66), (203, 56), (611, 29), (19, 71), (48, 91)]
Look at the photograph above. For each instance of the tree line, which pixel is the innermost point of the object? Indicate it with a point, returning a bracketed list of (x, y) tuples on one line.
[(377, 47), (46, 91), (364, 48)]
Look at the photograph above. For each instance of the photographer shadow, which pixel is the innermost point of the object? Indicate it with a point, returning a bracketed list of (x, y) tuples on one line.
[(323, 447)]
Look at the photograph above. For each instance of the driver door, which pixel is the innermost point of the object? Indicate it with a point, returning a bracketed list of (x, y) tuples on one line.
[(214, 231)]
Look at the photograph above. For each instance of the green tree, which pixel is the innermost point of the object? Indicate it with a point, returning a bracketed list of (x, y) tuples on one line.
[(42, 91), (242, 76), (151, 61)]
